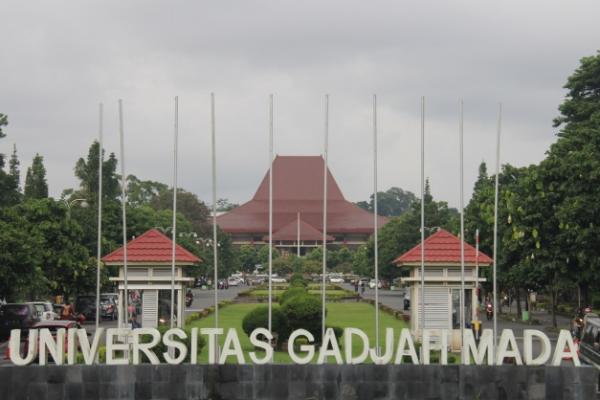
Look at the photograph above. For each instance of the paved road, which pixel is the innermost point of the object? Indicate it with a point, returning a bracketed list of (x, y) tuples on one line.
[(206, 298)]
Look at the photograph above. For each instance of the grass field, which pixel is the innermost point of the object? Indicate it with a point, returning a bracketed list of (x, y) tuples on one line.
[(351, 314)]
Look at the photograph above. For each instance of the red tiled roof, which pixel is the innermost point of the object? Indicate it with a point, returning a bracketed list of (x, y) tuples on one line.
[(290, 232), (442, 247), (298, 187), (152, 246)]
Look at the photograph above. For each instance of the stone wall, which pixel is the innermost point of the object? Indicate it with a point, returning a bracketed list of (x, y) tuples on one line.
[(296, 382)]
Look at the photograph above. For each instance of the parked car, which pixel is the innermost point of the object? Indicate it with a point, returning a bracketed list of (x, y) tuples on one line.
[(276, 279), (235, 281), (336, 279), (589, 346), (86, 305), (380, 285), (108, 307), (17, 316), (44, 310), (53, 326)]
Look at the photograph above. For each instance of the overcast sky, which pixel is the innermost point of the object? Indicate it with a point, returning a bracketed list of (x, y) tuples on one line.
[(59, 59)]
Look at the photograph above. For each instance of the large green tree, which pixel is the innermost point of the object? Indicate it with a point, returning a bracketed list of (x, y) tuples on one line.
[(403, 232), (20, 259), (9, 185), (571, 176), (393, 202), (87, 172), (140, 193), (189, 205), (36, 186)]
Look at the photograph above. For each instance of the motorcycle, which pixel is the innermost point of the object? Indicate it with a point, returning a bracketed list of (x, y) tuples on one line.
[(189, 299), (489, 311)]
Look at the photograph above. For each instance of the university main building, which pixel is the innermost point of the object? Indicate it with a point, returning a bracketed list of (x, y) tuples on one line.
[(298, 210)]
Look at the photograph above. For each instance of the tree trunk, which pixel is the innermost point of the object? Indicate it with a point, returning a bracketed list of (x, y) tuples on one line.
[(518, 298), (553, 292)]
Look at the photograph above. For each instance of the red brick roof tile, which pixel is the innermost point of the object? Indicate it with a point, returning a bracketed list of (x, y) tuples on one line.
[(290, 232), (298, 188), (152, 246), (442, 247)]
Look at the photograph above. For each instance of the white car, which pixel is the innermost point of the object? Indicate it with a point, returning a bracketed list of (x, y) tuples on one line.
[(235, 281), (278, 280), (372, 284), (336, 280)]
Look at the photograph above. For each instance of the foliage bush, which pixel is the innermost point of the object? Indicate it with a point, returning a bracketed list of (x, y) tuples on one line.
[(291, 293), (304, 312), (339, 331), (259, 318), (297, 280)]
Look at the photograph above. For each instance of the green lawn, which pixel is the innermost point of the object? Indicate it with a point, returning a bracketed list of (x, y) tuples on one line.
[(350, 314), (333, 294)]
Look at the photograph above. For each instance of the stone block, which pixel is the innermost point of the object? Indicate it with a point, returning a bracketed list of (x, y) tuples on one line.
[(228, 373), (91, 390), (73, 391), (279, 372), (143, 390), (55, 391), (143, 373), (161, 373), (89, 373), (74, 374), (194, 373), (34, 390), (245, 373), (109, 391)]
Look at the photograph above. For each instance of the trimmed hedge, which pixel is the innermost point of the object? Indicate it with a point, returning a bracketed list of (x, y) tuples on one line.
[(292, 293), (259, 318), (304, 312), (297, 280)]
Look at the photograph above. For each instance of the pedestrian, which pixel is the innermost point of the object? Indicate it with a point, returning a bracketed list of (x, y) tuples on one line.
[(356, 286), (362, 288)]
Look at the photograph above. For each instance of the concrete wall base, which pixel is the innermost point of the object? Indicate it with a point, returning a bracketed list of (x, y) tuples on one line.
[(296, 382)]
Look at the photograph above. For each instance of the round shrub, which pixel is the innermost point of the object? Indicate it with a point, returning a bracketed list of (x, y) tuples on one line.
[(304, 312), (259, 318), (338, 331), (291, 293), (297, 280)]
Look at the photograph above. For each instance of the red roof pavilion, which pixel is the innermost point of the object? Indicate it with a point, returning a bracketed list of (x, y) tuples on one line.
[(151, 247), (442, 248), (298, 188)]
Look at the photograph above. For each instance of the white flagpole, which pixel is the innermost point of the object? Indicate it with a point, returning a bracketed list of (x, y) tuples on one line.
[(99, 245), (214, 207), (298, 235), (477, 267), (375, 225), (462, 230), (124, 211), (174, 223), (270, 211), (326, 151), (494, 288), (422, 316)]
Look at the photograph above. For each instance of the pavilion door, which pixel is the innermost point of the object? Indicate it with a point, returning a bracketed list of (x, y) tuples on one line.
[(437, 307), (150, 308)]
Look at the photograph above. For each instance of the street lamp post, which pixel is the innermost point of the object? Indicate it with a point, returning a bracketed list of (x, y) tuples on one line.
[(70, 204)]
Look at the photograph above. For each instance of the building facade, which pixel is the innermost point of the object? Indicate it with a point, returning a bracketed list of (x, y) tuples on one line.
[(298, 210)]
